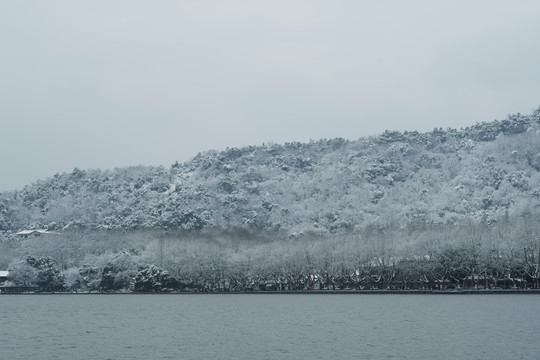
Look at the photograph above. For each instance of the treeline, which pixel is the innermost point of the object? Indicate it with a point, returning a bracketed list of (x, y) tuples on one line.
[(505, 254), (446, 208), (327, 187)]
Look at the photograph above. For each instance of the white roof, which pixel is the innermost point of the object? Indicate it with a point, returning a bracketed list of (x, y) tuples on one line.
[(4, 273), (30, 232)]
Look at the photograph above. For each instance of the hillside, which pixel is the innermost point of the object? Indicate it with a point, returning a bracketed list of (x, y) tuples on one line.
[(439, 210), (392, 181)]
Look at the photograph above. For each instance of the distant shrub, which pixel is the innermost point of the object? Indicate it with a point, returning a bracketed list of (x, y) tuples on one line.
[(154, 279)]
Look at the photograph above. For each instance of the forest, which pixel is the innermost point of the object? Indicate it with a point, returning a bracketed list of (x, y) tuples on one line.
[(439, 210)]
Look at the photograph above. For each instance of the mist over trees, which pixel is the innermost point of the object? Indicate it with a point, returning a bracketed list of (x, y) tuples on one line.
[(437, 257), (403, 209)]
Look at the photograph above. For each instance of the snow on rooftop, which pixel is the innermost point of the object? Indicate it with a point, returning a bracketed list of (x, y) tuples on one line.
[(34, 232)]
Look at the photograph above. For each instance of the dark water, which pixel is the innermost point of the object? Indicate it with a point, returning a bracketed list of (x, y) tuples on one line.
[(270, 327)]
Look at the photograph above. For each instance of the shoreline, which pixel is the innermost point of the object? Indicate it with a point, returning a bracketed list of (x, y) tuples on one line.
[(306, 292)]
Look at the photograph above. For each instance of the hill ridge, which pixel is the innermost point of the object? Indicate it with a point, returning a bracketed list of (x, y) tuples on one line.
[(397, 179)]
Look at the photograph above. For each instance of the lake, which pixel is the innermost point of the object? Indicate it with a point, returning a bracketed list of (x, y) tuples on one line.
[(270, 326)]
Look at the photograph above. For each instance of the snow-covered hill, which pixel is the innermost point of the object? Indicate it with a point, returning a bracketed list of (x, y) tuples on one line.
[(395, 180)]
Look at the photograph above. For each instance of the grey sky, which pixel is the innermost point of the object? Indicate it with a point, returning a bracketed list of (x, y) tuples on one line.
[(104, 84)]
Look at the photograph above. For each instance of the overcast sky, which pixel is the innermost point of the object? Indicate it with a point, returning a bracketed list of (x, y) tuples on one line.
[(104, 84)]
